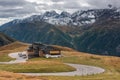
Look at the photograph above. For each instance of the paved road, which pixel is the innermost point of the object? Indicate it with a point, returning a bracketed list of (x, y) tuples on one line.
[(80, 69)]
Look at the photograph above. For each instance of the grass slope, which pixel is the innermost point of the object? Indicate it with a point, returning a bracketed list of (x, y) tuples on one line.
[(42, 66), (4, 75)]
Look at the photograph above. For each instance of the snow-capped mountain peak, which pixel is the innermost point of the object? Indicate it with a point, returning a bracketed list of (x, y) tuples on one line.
[(78, 18), (65, 14), (50, 14)]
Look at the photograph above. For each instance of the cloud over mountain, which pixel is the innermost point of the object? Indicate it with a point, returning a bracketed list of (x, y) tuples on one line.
[(13, 8), (20, 8)]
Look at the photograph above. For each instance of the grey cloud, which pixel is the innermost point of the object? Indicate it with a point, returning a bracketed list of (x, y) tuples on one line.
[(7, 3), (58, 0), (70, 5), (103, 3), (13, 8), (7, 15), (65, 7)]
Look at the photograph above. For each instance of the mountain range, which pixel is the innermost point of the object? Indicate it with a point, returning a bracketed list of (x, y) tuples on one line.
[(78, 18), (95, 31)]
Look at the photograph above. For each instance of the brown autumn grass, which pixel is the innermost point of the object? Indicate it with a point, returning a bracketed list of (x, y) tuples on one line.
[(16, 46), (63, 48), (4, 75)]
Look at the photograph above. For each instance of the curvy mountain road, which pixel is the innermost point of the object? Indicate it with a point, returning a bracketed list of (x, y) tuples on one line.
[(80, 69)]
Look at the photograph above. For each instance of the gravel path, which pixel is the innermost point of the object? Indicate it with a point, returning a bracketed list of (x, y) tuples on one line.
[(80, 69)]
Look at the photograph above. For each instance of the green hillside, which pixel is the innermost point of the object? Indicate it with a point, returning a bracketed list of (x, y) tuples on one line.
[(102, 38), (37, 32), (5, 39)]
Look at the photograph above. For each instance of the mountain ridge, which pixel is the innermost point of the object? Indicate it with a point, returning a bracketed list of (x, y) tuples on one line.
[(38, 32)]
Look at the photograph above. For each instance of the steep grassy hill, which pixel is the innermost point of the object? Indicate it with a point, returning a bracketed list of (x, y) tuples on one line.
[(5, 39)]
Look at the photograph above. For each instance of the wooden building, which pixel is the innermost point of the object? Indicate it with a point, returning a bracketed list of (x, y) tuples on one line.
[(42, 50)]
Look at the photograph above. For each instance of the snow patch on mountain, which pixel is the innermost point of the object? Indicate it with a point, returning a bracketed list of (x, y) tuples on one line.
[(64, 18), (78, 18)]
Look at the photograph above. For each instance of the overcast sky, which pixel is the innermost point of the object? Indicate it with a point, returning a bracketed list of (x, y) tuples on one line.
[(11, 9)]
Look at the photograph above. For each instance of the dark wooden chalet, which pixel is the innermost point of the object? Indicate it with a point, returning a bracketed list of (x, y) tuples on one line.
[(42, 50)]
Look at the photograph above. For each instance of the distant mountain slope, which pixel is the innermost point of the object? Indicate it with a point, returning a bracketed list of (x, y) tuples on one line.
[(104, 35), (102, 38), (5, 39), (37, 32)]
